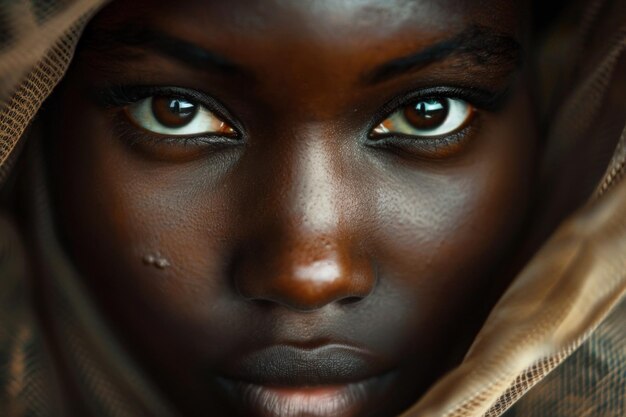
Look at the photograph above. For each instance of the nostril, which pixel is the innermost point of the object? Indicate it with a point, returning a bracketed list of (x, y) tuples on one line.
[(263, 303), (350, 300)]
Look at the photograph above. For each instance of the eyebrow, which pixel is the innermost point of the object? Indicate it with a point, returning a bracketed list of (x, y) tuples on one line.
[(483, 45), (154, 40)]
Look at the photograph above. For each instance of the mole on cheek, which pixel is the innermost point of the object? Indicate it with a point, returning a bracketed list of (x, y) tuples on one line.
[(155, 260)]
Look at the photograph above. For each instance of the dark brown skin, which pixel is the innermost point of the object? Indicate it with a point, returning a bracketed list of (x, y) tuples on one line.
[(247, 227)]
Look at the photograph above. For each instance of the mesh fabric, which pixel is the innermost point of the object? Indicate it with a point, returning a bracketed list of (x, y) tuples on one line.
[(555, 344)]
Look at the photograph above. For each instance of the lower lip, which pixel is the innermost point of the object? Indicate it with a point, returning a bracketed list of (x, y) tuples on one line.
[(348, 400)]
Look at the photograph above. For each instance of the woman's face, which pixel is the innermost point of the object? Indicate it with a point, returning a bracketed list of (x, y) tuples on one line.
[(294, 208)]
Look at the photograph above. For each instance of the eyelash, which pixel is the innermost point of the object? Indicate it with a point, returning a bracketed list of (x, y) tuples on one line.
[(481, 99), (122, 95)]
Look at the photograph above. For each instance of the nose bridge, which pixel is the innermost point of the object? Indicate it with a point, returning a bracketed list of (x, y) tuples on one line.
[(303, 255), (301, 187), (315, 194)]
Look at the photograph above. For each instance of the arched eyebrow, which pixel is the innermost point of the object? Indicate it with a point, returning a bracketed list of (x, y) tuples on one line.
[(134, 36), (482, 45)]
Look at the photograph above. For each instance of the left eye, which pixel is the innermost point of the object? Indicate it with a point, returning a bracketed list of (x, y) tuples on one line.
[(176, 117), (426, 118)]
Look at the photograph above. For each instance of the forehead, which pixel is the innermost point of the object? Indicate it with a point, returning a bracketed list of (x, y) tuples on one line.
[(343, 21)]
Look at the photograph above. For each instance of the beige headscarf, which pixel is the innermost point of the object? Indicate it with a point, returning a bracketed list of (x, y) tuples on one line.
[(557, 336)]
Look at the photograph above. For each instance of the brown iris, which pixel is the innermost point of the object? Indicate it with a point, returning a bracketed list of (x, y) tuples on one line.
[(427, 114), (173, 112)]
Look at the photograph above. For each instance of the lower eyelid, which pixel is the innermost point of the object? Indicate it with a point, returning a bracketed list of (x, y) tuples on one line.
[(430, 148), (127, 130)]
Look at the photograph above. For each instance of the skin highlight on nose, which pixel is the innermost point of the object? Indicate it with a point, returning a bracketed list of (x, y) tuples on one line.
[(319, 272)]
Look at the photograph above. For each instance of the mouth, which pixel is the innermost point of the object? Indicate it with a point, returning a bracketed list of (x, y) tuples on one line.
[(287, 381)]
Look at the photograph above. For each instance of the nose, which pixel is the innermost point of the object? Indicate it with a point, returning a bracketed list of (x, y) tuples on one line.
[(305, 253)]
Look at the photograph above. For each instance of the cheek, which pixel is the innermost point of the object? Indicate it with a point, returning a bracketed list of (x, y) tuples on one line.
[(119, 210), (441, 230)]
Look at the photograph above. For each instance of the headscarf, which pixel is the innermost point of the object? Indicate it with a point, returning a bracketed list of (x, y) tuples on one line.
[(554, 344)]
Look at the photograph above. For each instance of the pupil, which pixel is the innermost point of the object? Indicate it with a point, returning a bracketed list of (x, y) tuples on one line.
[(181, 108), (173, 112), (428, 109), (427, 114)]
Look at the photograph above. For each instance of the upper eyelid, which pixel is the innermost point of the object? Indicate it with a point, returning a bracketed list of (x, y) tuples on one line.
[(126, 95), (474, 97)]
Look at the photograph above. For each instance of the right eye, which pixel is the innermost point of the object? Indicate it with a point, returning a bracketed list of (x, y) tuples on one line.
[(174, 116)]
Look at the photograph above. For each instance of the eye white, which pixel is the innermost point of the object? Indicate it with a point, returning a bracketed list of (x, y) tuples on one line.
[(203, 122), (458, 113)]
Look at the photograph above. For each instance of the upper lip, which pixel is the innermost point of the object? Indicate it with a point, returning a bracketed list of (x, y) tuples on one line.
[(287, 365)]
